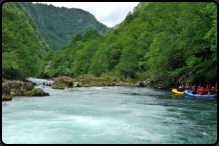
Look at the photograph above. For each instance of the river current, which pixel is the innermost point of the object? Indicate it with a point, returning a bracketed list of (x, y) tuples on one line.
[(132, 115)]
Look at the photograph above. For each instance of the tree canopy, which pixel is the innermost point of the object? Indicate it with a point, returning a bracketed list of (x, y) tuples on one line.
[(166, 40), (59, 25)]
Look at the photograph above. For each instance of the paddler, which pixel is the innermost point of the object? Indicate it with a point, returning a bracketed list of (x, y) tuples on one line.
[(180, 88), (213, 91), (194, 90), (183, 87), (207, 90), (202, 91)]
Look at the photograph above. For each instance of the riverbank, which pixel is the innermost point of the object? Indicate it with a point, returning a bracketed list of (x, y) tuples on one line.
[(84, 81)]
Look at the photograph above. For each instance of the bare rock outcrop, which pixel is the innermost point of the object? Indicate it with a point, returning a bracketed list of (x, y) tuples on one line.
[(153, 82), (18, 88), (62, 83), (77, 84)]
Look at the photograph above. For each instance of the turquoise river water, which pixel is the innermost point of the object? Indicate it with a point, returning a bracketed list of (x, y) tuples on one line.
[(109, 115)]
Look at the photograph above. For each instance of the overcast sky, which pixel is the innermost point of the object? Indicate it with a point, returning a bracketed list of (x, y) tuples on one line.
[(108, 13)]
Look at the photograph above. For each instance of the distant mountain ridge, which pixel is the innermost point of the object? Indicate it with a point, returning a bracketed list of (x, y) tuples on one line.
[(58, 26)]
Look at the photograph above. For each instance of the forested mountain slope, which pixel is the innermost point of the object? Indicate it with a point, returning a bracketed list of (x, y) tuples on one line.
[(176, 42), (22, 44), (22, 14), (59, 25)]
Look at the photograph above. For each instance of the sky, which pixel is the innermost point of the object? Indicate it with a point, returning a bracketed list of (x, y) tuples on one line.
[(108, 13)]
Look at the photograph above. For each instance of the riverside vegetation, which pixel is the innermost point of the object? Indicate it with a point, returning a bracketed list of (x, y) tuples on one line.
[(164, 43), (175, 43)]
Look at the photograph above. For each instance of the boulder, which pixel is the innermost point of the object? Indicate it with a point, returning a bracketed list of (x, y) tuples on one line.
[(139, 84), (19, 88), (59, 86), (77, 84), (16, 88), (36, 92), (6, 97), (62, 83)]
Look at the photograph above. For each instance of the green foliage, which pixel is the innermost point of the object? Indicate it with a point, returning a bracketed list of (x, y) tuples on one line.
[(128, 18), (30, 25), (59, 25), (19, 50), (166, 40)]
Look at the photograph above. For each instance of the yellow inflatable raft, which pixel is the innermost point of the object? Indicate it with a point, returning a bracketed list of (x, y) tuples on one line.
[(177, 92)]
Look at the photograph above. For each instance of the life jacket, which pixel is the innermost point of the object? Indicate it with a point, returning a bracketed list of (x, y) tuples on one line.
[(43, 83), (201, 91), (193, 90), (207, 90), (213, 91)]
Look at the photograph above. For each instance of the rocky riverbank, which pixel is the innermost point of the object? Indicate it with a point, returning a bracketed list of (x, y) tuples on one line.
[(67, 82), (154, 82), (19, 88)]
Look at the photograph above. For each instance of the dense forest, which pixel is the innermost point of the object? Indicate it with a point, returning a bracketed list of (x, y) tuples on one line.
[(21, 13), (171, 41), (58, 25), (22, 45), (162, 39)]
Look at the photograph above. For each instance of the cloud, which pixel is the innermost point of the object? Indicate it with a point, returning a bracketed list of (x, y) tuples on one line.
[(108, 13)]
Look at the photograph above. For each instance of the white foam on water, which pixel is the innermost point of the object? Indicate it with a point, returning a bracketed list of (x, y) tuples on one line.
[(98, 88), (204, 133)]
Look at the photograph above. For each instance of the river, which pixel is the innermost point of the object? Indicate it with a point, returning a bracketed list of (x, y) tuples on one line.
[(132, 115)]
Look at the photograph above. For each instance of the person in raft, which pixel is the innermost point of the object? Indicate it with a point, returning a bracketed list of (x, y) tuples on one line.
[(180, 88), (201, 91), (189, 87), (198, 89), (44, 83), (207, 90), (183, 87), (194, 90), (213, 91), (186, 87)]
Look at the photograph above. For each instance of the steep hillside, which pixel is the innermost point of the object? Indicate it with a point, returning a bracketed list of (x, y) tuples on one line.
[(59, 25), (176, 42), (22, 14), (21, 43)]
